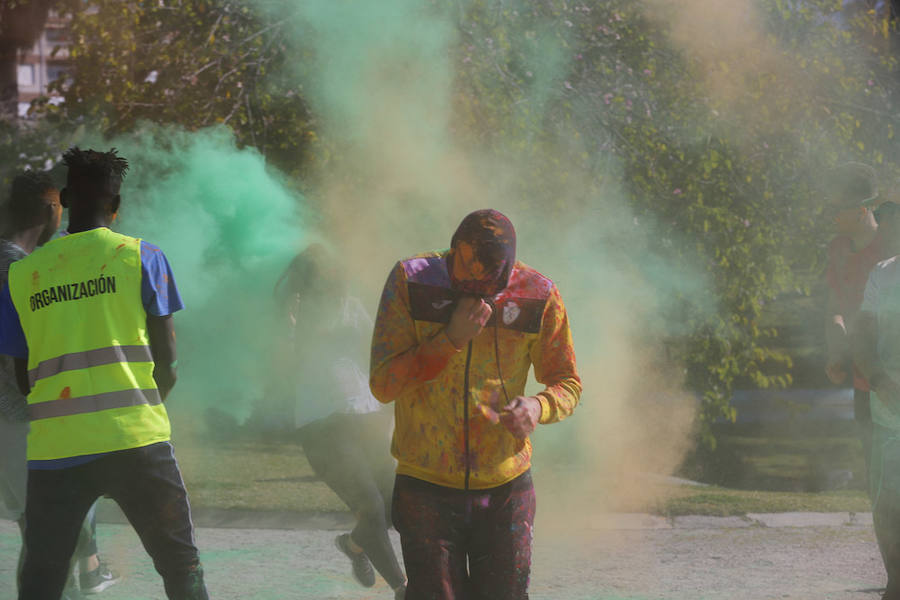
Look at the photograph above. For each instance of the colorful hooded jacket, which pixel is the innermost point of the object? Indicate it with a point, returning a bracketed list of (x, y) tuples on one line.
[(445, 400)]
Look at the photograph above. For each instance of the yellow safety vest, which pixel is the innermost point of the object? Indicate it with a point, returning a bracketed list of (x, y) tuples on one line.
[(89, 363)]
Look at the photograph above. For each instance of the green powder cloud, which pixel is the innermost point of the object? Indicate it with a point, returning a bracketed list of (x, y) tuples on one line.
[(228, 226)]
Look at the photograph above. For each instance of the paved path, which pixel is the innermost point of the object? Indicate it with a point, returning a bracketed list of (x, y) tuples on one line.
[(801, 556)]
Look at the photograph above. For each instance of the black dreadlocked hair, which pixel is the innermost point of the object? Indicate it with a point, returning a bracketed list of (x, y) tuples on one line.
[(95, 172), (26, 205)]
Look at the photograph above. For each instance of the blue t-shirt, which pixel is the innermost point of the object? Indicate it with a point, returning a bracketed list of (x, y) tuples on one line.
[(159, 295)]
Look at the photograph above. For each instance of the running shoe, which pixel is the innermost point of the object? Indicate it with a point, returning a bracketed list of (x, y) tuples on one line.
[(94, 582), (363, 572)]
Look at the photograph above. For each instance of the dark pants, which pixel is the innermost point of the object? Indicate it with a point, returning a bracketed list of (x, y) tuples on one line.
[(350, 453), (884, 490), (862, 412), (147, 485), (465, 545)]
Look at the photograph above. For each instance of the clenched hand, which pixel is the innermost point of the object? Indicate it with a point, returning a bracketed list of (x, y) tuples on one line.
[(468, 319)]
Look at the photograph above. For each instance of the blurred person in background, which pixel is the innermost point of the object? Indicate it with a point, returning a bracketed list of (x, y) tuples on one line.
[(95, 404), (857, 247), (875, 340), (344, 431), (32, 215), (455, 336)]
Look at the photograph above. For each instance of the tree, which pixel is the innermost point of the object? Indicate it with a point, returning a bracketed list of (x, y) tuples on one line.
[(191, 63), (21, 23)]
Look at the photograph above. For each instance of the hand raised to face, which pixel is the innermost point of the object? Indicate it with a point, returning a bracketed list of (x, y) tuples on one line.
[(468, 319)]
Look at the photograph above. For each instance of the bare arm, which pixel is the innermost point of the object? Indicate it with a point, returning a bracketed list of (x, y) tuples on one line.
[(161, 331)]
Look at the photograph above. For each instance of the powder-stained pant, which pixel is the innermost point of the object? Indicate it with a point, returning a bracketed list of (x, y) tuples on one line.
[(442, 529), (147, 485)]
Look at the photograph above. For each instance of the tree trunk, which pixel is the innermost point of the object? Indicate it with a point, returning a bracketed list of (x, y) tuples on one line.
[(21, 23), (9, 85)]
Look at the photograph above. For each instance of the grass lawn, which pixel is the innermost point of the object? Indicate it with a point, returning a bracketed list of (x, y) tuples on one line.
[(259, 475), (792, 456), (774, 468), (723, 502)]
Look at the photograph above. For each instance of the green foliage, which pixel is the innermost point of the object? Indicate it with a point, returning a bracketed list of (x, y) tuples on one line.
[(191, 63)]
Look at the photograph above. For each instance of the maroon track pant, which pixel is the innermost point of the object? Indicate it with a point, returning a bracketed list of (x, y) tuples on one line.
[(465, 545)]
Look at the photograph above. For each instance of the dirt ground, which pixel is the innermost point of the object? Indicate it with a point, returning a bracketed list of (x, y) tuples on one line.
[(695, 559)]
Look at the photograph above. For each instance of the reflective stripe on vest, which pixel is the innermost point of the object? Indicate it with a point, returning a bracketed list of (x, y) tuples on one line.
[(86, 404), (89, 363), (91, 358)]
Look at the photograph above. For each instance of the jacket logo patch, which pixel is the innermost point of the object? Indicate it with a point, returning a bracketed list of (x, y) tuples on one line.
[(511, 312)]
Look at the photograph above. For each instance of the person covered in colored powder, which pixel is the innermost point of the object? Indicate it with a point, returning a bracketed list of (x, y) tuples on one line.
[(875, 341), (88, 320), (345, 432), (32, 214), (455, 335), (857, 247)]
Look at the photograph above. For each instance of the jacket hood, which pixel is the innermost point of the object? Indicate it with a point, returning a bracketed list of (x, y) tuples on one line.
[(482, 253)]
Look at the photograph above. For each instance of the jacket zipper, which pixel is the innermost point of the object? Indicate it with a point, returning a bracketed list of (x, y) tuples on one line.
[(466, 410)]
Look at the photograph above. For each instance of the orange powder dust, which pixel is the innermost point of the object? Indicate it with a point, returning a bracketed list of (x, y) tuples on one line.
[(465, 265)]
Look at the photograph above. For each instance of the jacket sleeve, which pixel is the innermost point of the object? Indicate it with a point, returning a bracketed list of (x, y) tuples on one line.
[(553, 357), (400, 362)]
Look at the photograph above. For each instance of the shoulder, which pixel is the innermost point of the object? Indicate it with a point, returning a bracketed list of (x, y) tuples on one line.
[(423, 260), (427, 267), (149, 247), (9, 253), (152, 255), (32, 258), (887, 265), (886, 269), (528, 282), (149, 250), (110, 237)]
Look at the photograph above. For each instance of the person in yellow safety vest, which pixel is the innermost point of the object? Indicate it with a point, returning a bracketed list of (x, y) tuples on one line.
[(88, 320), (32, 214)]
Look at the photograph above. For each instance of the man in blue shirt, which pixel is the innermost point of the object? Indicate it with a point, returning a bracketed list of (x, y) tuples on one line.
[(32, 214), (143, 478)]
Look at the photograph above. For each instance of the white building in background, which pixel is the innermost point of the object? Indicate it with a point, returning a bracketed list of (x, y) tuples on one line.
[(40, 65)]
